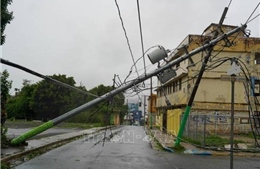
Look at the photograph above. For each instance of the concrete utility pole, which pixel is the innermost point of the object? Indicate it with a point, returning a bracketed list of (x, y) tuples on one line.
[(192, 96), (196, 85), (122, 88)]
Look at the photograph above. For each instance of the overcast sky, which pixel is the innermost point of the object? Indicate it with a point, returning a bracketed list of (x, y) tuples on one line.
[(85, 39)]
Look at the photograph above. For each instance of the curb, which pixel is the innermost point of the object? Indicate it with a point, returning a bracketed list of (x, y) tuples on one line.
[(237, 154), (163, 146), (197, 152), (205, 151)]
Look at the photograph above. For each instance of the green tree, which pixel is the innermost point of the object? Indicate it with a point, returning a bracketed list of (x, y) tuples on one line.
[(114, 105), (5, 88), (6, 85), (20, 105), (6, 17), (51, 100), (77, 99)]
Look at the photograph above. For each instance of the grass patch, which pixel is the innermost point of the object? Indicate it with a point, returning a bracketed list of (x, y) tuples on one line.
[(217, 141), (22, 124), (178, 149), (190, 140), (212, 141), (79, 125), (249, 135), (32, 124), (5, 165)]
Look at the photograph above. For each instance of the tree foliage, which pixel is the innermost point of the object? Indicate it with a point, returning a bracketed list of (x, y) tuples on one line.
[(46, 100), (51, 100), (115, 104), (20, 105), (6, 85), (6, 17)]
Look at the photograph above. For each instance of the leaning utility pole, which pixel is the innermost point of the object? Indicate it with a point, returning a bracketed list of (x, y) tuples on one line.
[(192, 96), (196, 85), (122, 88)]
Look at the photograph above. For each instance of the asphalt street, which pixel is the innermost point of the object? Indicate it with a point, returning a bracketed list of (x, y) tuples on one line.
[(128, 148)]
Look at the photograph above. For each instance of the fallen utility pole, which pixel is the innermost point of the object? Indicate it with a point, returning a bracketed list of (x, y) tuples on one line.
[(134, 82)]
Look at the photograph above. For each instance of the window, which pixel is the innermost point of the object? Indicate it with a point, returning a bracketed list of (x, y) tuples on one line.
[(175, 87), (159, 92), (170, 88), (180, 84), (257, 58), (257, 88)]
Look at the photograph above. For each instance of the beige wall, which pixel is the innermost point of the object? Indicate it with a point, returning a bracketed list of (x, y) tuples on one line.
[(213, 93), (216, 90)]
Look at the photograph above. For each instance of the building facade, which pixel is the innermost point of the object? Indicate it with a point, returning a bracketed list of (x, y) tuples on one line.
[(151, 107), (213, 96)]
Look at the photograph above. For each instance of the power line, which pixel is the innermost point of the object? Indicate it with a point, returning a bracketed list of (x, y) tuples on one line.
[(229, 3), (44, 77), (140, 26), (127, 40), (253, 18), (252, 13)]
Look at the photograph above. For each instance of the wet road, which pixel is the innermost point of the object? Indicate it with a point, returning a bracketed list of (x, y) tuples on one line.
[(129, 148)]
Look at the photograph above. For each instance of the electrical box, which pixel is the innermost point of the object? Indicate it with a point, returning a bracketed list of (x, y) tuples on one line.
[(166, 75)]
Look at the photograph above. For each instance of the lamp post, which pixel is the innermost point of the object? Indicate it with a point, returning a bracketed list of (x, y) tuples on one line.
[(235, 69), (151, 104)]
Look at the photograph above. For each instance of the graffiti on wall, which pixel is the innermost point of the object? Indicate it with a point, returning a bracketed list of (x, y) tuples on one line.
[(218, 123)]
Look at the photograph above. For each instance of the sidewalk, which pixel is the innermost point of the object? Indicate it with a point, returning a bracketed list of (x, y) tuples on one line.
[(44, 142), (167, 141)]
